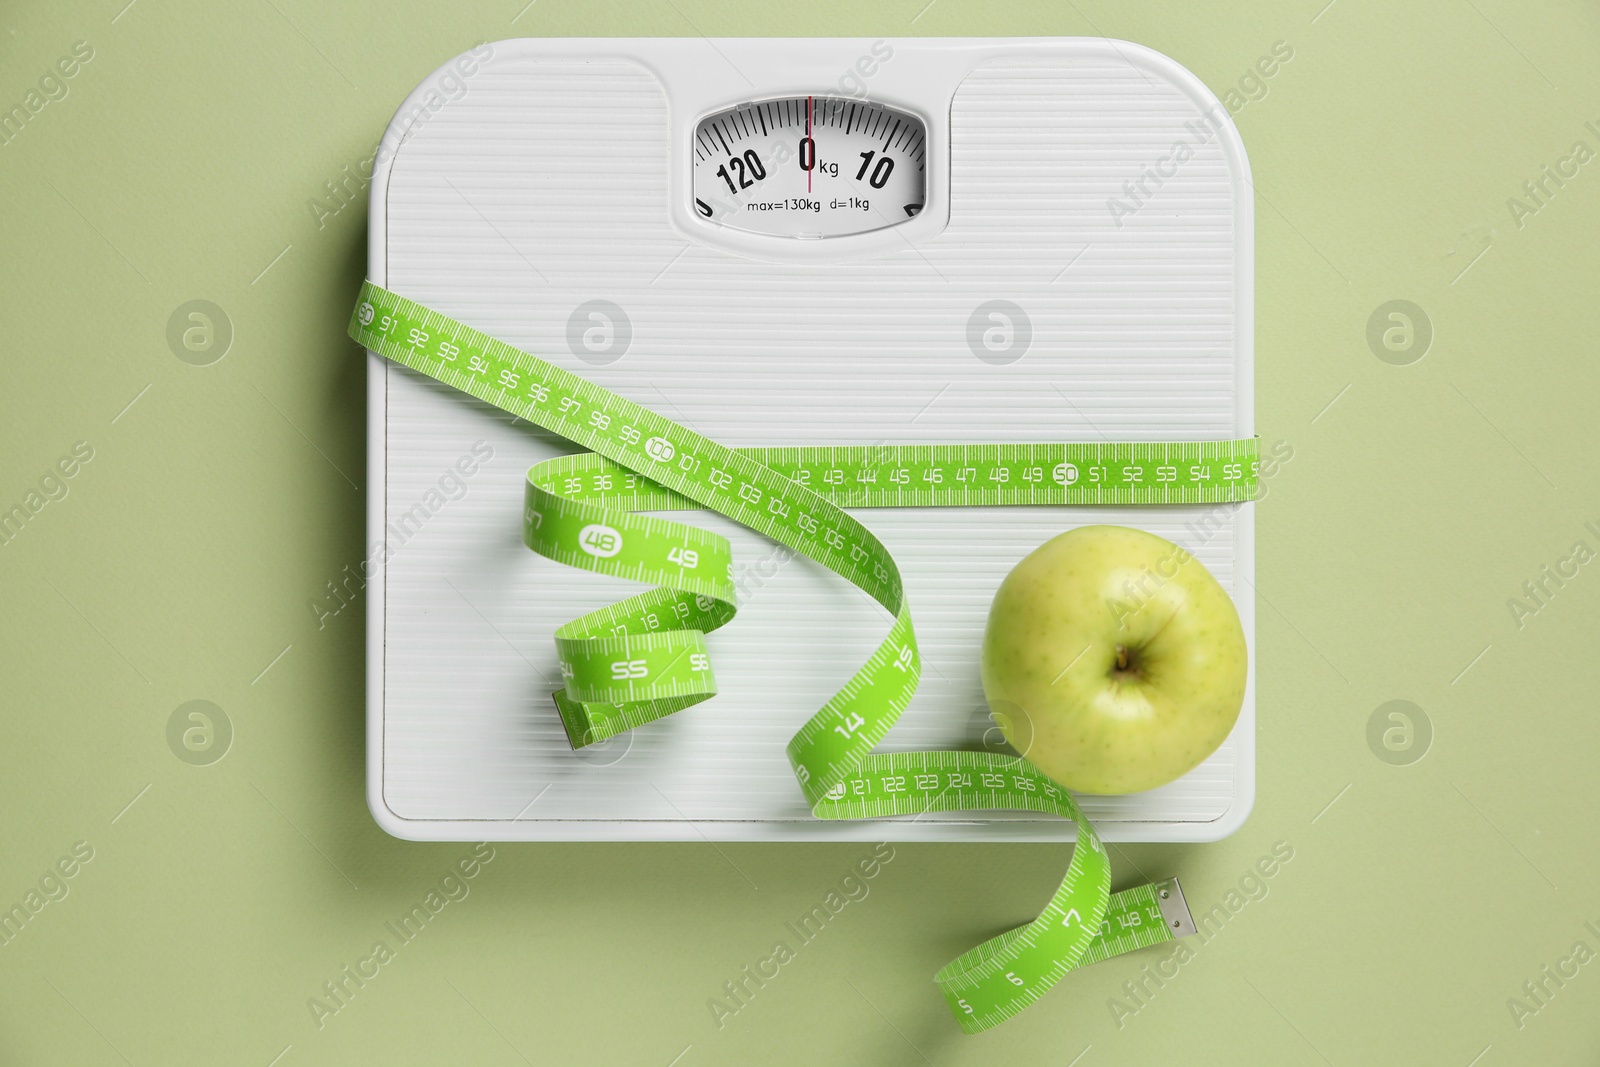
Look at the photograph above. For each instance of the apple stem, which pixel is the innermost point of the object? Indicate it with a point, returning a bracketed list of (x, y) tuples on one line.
[(1122, 658)]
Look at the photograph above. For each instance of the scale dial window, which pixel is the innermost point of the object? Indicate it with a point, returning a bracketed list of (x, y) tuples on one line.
[(809, 167)]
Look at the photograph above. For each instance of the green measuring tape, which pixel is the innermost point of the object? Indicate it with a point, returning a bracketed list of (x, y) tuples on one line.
[(645, 657)]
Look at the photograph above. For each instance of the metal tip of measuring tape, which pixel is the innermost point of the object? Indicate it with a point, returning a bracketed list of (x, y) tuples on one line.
[(1174, 909), (579, 733)]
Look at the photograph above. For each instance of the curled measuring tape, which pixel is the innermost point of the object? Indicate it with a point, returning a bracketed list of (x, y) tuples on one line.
[(645, 657)]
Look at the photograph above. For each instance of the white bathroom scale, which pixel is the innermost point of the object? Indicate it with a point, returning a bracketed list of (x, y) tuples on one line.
[(786, 242)]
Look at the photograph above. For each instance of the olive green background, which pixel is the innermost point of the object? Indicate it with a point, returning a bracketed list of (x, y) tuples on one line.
[(1420, 897)]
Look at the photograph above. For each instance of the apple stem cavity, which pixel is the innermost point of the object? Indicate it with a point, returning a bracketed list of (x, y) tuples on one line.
[(1127, 667)]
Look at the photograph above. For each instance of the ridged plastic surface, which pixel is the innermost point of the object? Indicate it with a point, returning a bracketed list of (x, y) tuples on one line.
[(543, 189)]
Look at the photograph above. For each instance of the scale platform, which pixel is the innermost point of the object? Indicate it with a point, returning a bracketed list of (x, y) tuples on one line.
[(1059, 248)]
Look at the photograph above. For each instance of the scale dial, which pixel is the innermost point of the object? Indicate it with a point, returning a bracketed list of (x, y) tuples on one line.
[(809, 166)]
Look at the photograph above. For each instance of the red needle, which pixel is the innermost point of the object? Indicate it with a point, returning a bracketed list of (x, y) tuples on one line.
[(813, 145)]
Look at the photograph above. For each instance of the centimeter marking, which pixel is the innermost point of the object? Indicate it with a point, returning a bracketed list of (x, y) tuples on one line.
[(882, 475), (676, 457), (794, 495), (1112, 473)]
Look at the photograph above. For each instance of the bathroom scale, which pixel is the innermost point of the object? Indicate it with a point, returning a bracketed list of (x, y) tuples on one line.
[(781, 242)]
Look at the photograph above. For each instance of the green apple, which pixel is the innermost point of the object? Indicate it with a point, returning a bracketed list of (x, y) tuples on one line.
[(1113, 660)]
